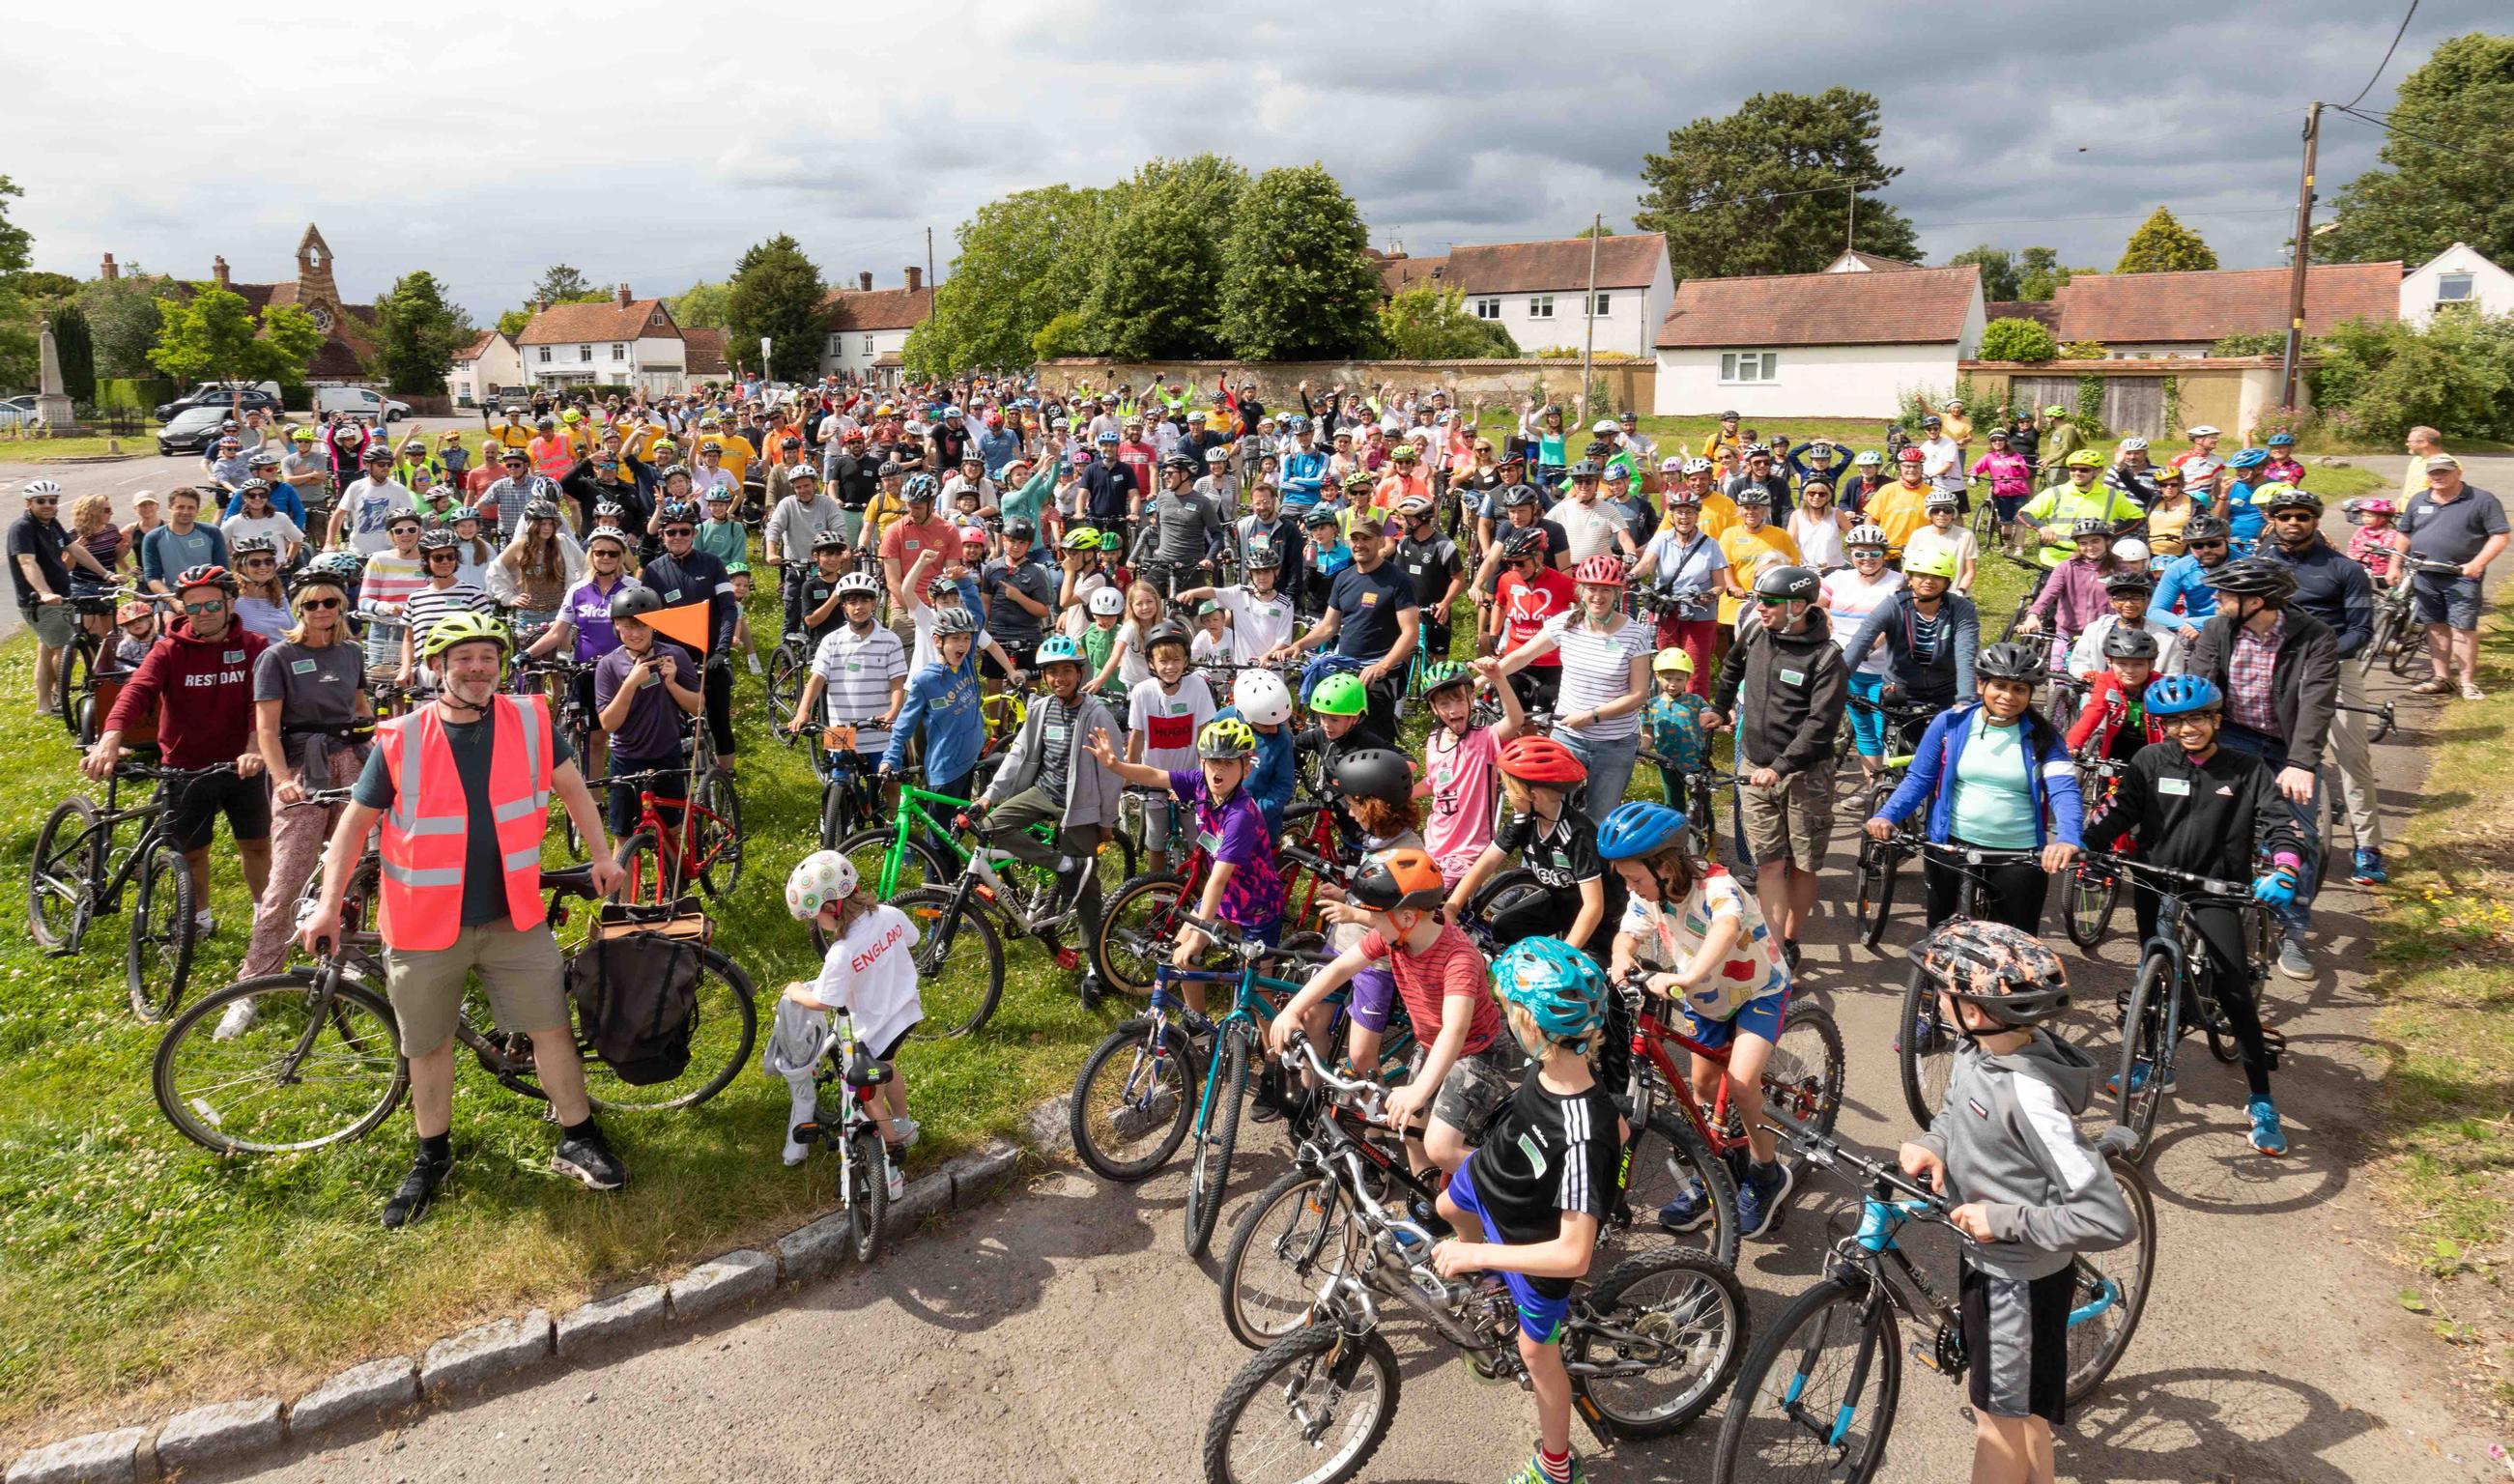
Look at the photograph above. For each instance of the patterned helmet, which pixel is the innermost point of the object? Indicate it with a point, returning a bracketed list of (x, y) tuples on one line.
[(1866, 537), (464, 628), (954, 621), (438, 539), (1694, 466), (1440, 674), (1057, 649), (1561, 989), (857, 584), (1081, 539), (1601, 570), (818, 879), (255, 545), (2085, 459), (206, 574), (1224, 737), (1340, 696), (2006, 974)]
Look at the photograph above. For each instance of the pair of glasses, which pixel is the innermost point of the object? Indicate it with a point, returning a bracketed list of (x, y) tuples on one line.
[(317, 605), (216, 605), (250, 562), (402, 531), (2187, 720), (673, 531), (2206, 545), (46, 500), (2305, 515)]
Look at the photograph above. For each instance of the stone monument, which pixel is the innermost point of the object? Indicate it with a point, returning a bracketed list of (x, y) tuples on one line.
[(51, 404)]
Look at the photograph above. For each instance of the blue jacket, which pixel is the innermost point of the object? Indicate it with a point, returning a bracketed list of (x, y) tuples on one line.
[(1303, 471), (284, 501), (2180, 581), (945, 701), (2051, 779), (1269, 782)]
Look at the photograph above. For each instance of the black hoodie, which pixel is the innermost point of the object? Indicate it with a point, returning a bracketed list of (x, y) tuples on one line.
[(1797, 684)]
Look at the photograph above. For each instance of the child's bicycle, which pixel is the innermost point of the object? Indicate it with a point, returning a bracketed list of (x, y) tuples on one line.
[(863, 1165), (1816, 1397), (1925, 1040), (2399, 638), (1649, 1346)]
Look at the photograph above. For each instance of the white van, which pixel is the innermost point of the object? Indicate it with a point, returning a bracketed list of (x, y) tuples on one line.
[(358, 402)]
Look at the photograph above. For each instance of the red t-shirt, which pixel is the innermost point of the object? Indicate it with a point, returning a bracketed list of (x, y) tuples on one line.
[(903, 543), (1449, 966), (201, 693), (1525, 606)]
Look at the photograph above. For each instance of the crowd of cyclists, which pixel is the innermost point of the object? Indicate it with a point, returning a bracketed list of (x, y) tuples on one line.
[(1458, 635)]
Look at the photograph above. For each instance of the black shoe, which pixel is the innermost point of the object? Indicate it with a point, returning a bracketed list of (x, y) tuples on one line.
[(1427, 1216), (587, 1157), (1790, 951), (417, 1189)]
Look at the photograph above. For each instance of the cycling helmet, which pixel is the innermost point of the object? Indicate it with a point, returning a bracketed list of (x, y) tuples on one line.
[(1108, 438), (818, 879), (1518, 495), (1359, 479), (1601, 570), (921, 487), (438, 539), (1262, 696), (2204, 528), (2090, 525), (1754, 494), (2279, 440), (206, 574), (2281, 496), (2130, 579), (1224, 737), (1522, 542), (2128, 643), (1684, 494), (1340, 696), (1018, 528), (1939, 562), (607, 535), (1866, 537), (941, 586), (1166, 631), (2254, 577), (1694, 466), (1374, 773), (1908, 455), (601, 507), (2085, 459), (1639, 828), (261, 487), (1869, 459), (678, 512), (2249, 458), (857, 584), (1405, 452), (1440, 674), (263, 458), (1296, 423), (891, 468), (338, 566), (831, 539), (1056, 649), (1401, 880), (1111, 540), (1542, 760), (258, 545), (1263, 556), (2011, 662), (1178, 463), (43, 489), (1414, 507), (2133, 445), (1788, 584), (464, 628), (1325, 518), (1105, 602), (1081, 539), (2359, 509), (2183, 695), (1942, 499), (1561, 989), (1757, 451), (2006, 974), (1676, 660), (954, 621), (670, 470), (635, 601)]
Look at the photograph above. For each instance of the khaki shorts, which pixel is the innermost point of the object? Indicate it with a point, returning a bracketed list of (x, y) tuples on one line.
[(54, 625), (1792, 817), (519, 972)]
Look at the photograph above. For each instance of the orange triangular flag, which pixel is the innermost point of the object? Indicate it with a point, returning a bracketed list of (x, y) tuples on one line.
[(686, 624)]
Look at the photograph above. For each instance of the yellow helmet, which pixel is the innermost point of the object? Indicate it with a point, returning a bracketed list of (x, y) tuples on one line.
[(1936, 562), (1673, 659)]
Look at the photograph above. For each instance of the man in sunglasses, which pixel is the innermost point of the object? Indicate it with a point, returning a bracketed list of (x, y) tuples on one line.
[(2184, 599), (2337, 589), (42, 579)]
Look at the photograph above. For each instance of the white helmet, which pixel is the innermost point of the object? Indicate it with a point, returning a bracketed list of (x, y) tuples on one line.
[(1105, 601), (2133, 445), (1869, 538), (820, 878), (1605, 426), (1261, 697), (41, 487)]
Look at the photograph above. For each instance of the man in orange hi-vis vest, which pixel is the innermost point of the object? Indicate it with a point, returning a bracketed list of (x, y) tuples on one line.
[(461, 787)]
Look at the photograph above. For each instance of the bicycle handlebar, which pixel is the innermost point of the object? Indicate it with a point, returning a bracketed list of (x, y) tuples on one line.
[(1975, 854), (1364, 1095), (2199, 885)]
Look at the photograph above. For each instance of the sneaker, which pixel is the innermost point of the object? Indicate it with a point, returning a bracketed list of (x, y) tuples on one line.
[(892, 1181), (2292, 960), (1533, 1472), (2138, 1076), (1760, 1196), (417, 1189), (587, 1157), (1689, 1212), (236, 1021), (907, 1131), (2369, 869), (2470, 691), (203, 924), (2268, 1137), (1790, 951)]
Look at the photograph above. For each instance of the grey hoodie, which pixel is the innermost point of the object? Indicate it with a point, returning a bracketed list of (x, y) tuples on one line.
[(2009, 1137)]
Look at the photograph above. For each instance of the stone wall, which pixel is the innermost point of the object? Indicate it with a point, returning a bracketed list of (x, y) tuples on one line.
[(1500, 382)]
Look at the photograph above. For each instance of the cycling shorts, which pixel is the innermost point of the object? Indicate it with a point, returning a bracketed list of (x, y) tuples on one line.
[(1764, 1017), (1540, 1314)]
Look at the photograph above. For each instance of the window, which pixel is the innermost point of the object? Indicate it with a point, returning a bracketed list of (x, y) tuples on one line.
[(1488, 308), (584, 352), (620, 353), (1598, 306), (837, 344), (868, 345), (545, 351), (1540, 307), (1747, 366), (2452, 288)]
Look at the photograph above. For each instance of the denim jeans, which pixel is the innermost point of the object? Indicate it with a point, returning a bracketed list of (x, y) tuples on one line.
[(1610, 764)]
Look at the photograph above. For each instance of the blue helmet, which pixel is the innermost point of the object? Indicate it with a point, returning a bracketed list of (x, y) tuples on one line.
[(2281, 440), (1561, 989), (2249, 458), (1639, 828), (2182, 695)]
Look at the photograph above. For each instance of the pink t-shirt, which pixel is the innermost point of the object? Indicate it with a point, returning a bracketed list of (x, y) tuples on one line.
[(1463, 782)]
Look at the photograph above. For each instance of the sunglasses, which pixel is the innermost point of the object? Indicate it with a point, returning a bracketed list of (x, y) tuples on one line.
[(317, 605), (43, 499), (402, 529), (671, 531), (215, 605), (2206, 545), (252, 562), (1763, 602), (451, 556), (2305, 515)]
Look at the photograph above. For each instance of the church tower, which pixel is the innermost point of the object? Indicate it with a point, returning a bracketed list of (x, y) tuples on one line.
[(317, 291)]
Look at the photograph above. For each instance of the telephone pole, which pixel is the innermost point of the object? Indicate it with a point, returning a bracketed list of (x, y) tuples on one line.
[(2303, 255), (1589, 313), (929, 257)]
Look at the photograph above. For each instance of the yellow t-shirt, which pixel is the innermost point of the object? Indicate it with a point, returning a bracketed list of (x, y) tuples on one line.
[(1958, 427), (1746, 551), (738, 455), (514, 435), (1720, 439), (1719, 516), (1898, 511)]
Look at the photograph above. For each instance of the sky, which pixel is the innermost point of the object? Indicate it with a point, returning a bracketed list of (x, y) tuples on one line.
[(651, 145)]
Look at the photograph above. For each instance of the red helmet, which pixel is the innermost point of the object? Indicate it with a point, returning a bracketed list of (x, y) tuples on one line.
[(1909, 455), (1603, 570), (1542, 760)]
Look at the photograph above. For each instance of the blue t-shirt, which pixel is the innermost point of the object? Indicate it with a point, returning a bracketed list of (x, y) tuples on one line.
[(1271, 782)]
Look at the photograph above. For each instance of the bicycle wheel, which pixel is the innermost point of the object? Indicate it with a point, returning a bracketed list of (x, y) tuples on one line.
[(1925, 1047), (2091, 897), (302, 1070), (1138, 926), (783, 683), (724, 1026), (868, 1193), (78, 700), (1268, 1274), (2410, 655), (157, 956), (1795, 1415), (2145, 1040), (1664, 1334), (2388, 627), (68, 859), (1209, 1171), (1670, 1159), (1311, 1407), (1132, 1101), (717, 840), (959, 960), (2112, 1291), (1880, 864), (1803, 1080), (918, 865), (643, 881)]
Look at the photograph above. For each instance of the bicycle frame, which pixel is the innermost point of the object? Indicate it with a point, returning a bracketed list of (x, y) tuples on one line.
[(1652, 1036)]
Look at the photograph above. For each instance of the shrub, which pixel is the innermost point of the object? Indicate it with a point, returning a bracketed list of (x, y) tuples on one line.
[(2017, 340), (2253, 342), (2279, 420), (2455, 376)]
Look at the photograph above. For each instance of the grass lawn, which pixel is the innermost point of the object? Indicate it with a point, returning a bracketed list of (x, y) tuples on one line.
[(28, 450)]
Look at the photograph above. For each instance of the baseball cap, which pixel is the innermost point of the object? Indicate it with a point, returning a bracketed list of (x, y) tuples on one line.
[(2437, 462)]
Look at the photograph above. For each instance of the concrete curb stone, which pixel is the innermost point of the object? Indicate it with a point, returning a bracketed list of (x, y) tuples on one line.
[(485, 1354), (97, 1458), (814, 1250), (722, 1282), (226, 1430), (608, 1321), (926, 1196), (361, 1390), (975, 1178)]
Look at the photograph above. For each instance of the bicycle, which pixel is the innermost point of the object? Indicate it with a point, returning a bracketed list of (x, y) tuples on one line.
[(850, 792), (320, 1059), (1784, 1418), (790, 663), (1924, 1038), (1649, 1346), (75, 875), (87, 688), (2399, 637), (864, 1183), (662, 860), (2093, 891)]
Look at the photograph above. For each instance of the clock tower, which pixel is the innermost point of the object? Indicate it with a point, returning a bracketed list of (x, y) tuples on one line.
[(317, 291)]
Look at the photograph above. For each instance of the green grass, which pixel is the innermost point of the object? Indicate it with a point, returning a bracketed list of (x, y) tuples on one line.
[(14, 450)]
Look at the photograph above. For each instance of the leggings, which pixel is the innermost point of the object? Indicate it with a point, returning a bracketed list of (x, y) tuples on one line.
[(2221, 937), (1867, 725), (2014, 891)]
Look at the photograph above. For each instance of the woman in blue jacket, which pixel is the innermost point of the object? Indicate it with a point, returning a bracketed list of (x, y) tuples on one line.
[(942, 700), (1996, 776)]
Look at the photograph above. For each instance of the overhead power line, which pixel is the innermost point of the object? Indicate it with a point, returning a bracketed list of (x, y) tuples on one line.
[(2366, 116), (2385, 62)]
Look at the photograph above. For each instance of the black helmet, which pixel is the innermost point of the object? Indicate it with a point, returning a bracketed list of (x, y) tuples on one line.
[(1166, 631), (1788, 583), (2128, 643), (2130, 579), (1518, 495), (1524, 542), (2254, 577), (1178, 463), (2011, 662), (635, 601), (2204, 528), (1375, 773), (2006, 974), (2290, 497), (1020, 529), (438, 539)]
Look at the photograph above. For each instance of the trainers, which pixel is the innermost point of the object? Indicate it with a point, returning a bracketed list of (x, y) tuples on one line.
[(2434, 686), (1790, 951), (893, 1183), (236, 1021), (2367, 870), (417, 1189), (1533, 1472), (1690, 1209), (2138, 1076), (203, 924), (907, 1131), (587, 1157), (2470, 691), (2268, 1136), (2292, 960), (1760, 1196)]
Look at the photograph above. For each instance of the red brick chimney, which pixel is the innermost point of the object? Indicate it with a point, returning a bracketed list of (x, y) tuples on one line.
[(864, 280), (624, 296), (541, 306), (219, 272), (915, 278), (110, 271)]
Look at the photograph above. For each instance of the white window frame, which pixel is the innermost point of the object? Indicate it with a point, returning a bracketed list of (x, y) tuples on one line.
[(868, 345), (619, 352), (838, 343), (1749, 368), (1540, 307), (1488, 309), (2468, 283), (546, 355), (1597, 306)]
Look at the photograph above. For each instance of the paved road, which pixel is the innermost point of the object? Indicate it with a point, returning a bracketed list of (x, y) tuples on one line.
[(1059, 1334)]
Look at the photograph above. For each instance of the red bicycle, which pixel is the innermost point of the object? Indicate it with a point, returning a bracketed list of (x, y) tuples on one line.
[(1141, 919), (661, 858)]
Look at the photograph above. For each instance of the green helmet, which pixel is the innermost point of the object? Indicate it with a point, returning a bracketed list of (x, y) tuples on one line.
[(1340, 696), (462, 628), (1111, 540), (1440, 674)]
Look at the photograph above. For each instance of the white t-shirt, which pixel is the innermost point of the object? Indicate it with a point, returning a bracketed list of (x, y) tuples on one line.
[(1207, 648), (1258, 625), (1587, 530), (869, 973), (282, 531), (370, 506), (1849, 598), (1597, 669), (926, 653), (1169, 724), (1819, 539)]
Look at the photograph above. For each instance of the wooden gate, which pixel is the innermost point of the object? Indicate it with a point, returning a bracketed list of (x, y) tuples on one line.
[(2131, 404)]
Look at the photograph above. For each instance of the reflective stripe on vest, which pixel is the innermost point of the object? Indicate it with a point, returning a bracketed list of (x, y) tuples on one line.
[(425, 832)]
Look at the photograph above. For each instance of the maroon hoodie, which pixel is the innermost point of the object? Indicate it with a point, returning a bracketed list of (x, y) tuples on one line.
[(207, 691)]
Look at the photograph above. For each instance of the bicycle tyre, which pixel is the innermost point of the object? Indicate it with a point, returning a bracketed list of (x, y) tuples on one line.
[(194, 1031), (869, 1198), (1293, 1222), (1924, 1048), (1669, 1153), (1696, 1272), (2088, 907), (1138, 924), (641, 866), (2388, 627), (919, 866), (2409, 655), (781, 685), (67, 859), (78, 702), (1880, 861), (2143, 1031), (1750, 1409), (1142, 1080), (1807, 1091), (1299, 1370), (954, 1005), (157, 954), (724, 1029), (717, 840), (1209, 1172), (2092, 1359)]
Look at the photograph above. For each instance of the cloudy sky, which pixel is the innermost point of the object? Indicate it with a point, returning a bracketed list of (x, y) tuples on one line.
[(651, 143)]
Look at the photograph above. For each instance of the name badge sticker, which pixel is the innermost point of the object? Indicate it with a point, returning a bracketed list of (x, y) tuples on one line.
[(301, 666), (1793, 677), (2178, 788)]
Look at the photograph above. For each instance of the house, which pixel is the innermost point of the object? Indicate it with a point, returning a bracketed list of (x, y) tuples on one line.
[(1853, 261), (1829, 344), (2041, 311), (2137, 316), (1536, 290), (615, 342), (2459, 275), (868, 326), (484, 370), (348, 344), (704, 352)]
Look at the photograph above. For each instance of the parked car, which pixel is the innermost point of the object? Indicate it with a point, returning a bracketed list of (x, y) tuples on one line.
[(190, 431), (358, 402), (262, 396)]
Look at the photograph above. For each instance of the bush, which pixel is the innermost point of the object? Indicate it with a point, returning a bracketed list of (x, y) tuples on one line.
[(2253, 342), (138, 393), (2279, 420), (2455, 376), (2017, 340)]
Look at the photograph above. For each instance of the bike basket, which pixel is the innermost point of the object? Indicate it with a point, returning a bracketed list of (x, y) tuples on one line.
[(637, 1002), (838, 738), (680, 918)]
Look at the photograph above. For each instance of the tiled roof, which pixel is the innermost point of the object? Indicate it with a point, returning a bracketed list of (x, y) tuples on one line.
[(1536, 267), (704, 352), (1876, 262), (2128, 308), (861, 309), (1398, 274), (2041, 311), (606, 319), (1924, 307), (478, 347)]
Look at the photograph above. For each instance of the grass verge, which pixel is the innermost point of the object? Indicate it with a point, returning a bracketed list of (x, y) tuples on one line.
[(85, 446)]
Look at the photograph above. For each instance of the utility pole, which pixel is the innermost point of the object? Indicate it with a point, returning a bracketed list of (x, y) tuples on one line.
[(929, 257), (1589, 313), (2303, 255)]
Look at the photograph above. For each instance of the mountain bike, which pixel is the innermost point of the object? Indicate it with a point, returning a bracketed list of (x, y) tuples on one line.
[(790, 663), (2399, 638), (1925, 1039), (1816, 1397), (850, 789), (1879, 865), (863, 1164), (1649, 1346), (76, 876), (2093, 892), (88, 685)]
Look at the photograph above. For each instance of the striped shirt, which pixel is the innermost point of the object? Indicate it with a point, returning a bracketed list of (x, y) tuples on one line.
[(1596, 671), (857, 671), (432, 606)]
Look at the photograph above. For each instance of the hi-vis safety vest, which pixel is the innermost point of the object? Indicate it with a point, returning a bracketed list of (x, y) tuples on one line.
[(428, 826)]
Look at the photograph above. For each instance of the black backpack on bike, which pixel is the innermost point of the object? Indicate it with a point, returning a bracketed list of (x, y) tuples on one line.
[(636, 1000)]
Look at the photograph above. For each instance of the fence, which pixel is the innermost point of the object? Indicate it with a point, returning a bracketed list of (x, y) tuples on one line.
[(2151, 398), (1622, 385)]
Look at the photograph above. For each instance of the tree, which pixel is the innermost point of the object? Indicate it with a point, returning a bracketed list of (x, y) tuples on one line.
[(2017, 340), (417, 334), (1425, 323), (214, 334), (776, 292), (703, 307), (1024, 263), (43, 286), (2038, 274), (123, 320), (1158, 277), (511, 322), (1296, 284), (17, 350), (2455, 376), (2163, 245), (1998, 276), (1764, 189), (77, 351), (16, 244), (563, 284), (1595, 229), (2425, 198)]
